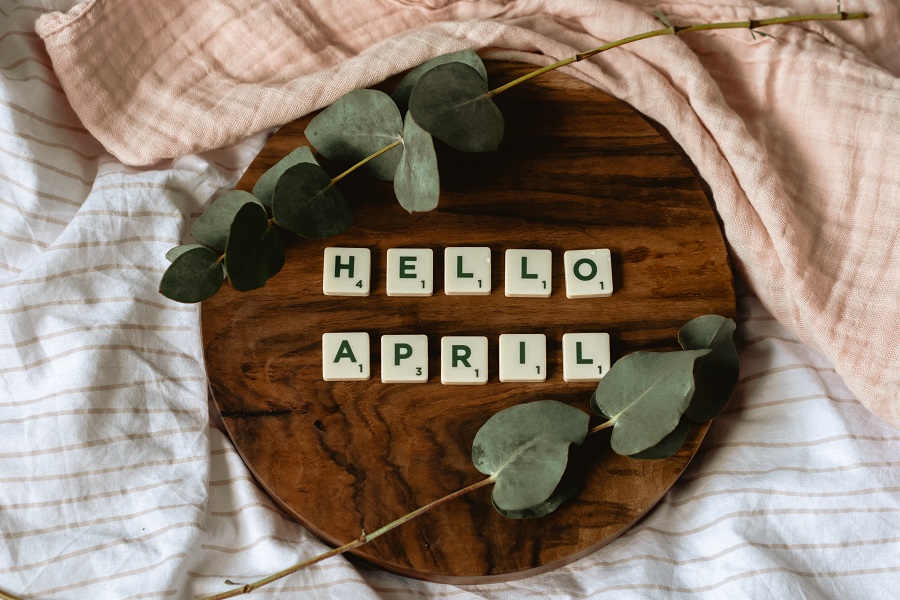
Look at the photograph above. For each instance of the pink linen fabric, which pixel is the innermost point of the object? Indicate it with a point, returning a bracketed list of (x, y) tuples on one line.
[(798, 137)]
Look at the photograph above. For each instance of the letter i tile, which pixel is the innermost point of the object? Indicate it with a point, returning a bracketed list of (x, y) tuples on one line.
[(523, 357)]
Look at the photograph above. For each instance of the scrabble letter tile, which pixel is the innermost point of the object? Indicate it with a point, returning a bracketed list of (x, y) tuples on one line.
[(464, 360), (467, 271), (585, 356), (404, 358), (528, 273), (345, 356), (588, 273), (347, 272), (410, 272), (523, 357)]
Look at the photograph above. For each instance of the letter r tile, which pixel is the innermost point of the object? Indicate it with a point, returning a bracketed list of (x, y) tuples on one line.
[(464, 360)]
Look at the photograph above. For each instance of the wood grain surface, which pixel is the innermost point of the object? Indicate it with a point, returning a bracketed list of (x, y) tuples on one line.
[(576, 170)]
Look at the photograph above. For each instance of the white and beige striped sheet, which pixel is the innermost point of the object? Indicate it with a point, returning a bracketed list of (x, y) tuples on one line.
[(114, 485)]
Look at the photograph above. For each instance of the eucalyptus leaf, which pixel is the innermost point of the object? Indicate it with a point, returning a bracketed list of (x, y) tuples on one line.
[(669, 445), (357, 125), (265, 185), (525, 448), (211, 229), (452, 103), (717, 373), (417, 182), (406, 85), (255, 251), (564, 491), (306, 203), (645, 394), (177, 251), (194, 275)]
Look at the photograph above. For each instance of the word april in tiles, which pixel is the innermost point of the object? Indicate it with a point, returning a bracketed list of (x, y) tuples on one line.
[(468, 272), (464, 359)]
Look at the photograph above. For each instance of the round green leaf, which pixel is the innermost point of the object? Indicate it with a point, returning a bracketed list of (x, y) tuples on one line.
[(417, 182), (406, 85), (194, 275), (451, 102), (356, 125), (563, 491), (255, 251), (307, 204), (177, 251), (645, 394), (526, 449), (265, 185), (717, 372), (211, 229), (669, 445)]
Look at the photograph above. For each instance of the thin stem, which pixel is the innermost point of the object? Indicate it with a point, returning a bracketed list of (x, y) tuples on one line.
[(363, 539), (5, 596), (601, 427), (372, 156), (674, 30)]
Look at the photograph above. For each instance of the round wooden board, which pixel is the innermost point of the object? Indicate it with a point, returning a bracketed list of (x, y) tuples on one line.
[(577, 169)]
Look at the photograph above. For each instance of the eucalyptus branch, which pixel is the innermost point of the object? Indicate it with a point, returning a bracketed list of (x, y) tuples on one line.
[(362, 539), (601, 427), (750, 24), (447, 98), (372, 156)]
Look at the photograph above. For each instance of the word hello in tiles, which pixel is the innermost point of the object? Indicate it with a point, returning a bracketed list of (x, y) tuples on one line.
[(467, 271), (464, 359)]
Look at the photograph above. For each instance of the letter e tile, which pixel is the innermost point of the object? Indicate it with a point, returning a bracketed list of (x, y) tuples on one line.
[(410, 272)]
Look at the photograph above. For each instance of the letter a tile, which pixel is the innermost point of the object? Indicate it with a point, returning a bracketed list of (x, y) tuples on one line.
[(345, 356)]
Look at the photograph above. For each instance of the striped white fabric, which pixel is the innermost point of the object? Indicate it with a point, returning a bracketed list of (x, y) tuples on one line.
[(114, 485)]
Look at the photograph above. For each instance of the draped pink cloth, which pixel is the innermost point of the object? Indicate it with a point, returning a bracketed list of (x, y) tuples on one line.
[(798, 137)]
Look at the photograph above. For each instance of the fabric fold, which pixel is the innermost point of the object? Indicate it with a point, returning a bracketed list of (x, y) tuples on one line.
[(797, 136)]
